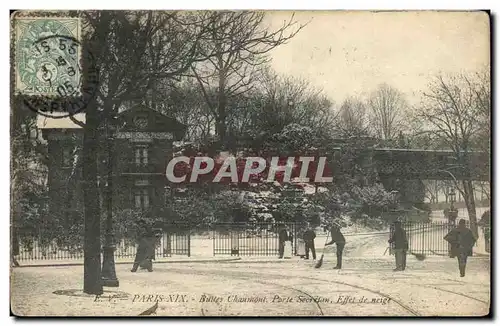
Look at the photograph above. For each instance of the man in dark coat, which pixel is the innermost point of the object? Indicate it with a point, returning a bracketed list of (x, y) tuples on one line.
[(462, 240), (146, 248), (15, 247), (399, 242), (339, 240), (309, 236), (283, 235)]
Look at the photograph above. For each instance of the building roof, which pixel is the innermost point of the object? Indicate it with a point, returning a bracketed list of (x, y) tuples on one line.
[(43, 122)]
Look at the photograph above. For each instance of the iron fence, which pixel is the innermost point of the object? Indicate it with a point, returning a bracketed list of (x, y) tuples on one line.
[(428, 238), (250, 239), (232, 239), (38, 246), (487, 238)]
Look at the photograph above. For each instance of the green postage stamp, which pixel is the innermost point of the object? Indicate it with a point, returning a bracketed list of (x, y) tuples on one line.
[(47, 55)]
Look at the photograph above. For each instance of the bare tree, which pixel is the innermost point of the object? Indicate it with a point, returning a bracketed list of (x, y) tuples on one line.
[(184, 101), (484, 189), (134, 51), (282, 100), (352, 118), (387, 107), (433, 188), (240, 42), (479, 84), (450, 108)]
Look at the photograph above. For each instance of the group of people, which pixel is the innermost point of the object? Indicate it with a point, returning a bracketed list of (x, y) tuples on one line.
[(308, 235), (461, 240)]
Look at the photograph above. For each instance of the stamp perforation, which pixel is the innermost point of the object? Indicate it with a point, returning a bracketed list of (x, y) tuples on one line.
[(27, 17)]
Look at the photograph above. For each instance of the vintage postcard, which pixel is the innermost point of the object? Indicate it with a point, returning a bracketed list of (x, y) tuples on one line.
[(250, 163)]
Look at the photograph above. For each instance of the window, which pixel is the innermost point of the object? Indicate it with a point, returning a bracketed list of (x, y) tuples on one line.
[(141, 155), (142, 199), (141, 121), (67, 157)]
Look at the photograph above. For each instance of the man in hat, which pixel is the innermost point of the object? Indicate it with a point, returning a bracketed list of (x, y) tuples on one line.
[(283, 236), (145, 249), (309, 236), (462, 240), (339, 240), (400, 245)]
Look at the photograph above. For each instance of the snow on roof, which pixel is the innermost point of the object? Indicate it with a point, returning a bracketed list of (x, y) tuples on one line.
[(43, 122)]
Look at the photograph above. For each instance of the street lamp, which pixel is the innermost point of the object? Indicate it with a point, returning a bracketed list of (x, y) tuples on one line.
[(394, 198), (394, 195), (453, 212), (452, 196), (108, 273), (452, 216)]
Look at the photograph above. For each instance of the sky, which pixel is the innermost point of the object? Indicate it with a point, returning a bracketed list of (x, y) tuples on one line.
[(350, 53)]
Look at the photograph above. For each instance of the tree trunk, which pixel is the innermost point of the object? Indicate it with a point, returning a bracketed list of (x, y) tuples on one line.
[(471, 205), (220, 122), (221, 111), (92, 237)]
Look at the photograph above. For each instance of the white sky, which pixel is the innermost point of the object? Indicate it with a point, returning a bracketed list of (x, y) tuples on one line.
[(350, 53)]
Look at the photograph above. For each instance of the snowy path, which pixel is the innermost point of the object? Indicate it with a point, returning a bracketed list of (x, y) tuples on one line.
[(291, 287), (366, 286)]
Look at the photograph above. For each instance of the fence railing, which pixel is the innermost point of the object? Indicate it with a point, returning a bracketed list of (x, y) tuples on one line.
[(35, 247), (428, 238), (250, 239), (236, 239)]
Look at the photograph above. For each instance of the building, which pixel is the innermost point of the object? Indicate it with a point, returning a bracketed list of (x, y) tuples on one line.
[(142, 147)]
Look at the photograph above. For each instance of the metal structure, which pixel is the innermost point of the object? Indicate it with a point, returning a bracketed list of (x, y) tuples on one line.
[(39, 246), (108, 273), (428, 238), (176, 244), (415, 164), (249, 239)]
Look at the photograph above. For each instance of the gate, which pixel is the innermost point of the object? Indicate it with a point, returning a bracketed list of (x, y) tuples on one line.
[(176, 240), (428, 237), (249, 239), (176, 244)]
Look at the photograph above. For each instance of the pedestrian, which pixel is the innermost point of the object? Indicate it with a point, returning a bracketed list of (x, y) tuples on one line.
[(145, 249), (309, 236), (339, 240), (301, 245), (485, 224), (15, 247), (461, 240), (283, 236), (399, 242)]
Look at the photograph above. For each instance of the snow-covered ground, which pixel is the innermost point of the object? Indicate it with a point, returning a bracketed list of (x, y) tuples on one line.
[(288, 288), (366, 286), (462, 213)]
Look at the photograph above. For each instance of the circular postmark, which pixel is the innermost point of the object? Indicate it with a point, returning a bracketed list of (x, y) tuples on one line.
[(63, 76)]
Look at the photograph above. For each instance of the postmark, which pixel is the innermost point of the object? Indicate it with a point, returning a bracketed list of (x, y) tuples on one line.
[(54, 75), (72, 95), (47, 53)]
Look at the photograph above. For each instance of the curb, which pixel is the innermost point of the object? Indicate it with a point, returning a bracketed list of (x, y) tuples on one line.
[(264, 261), (131, 262), (366, 233), (480, 254)]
